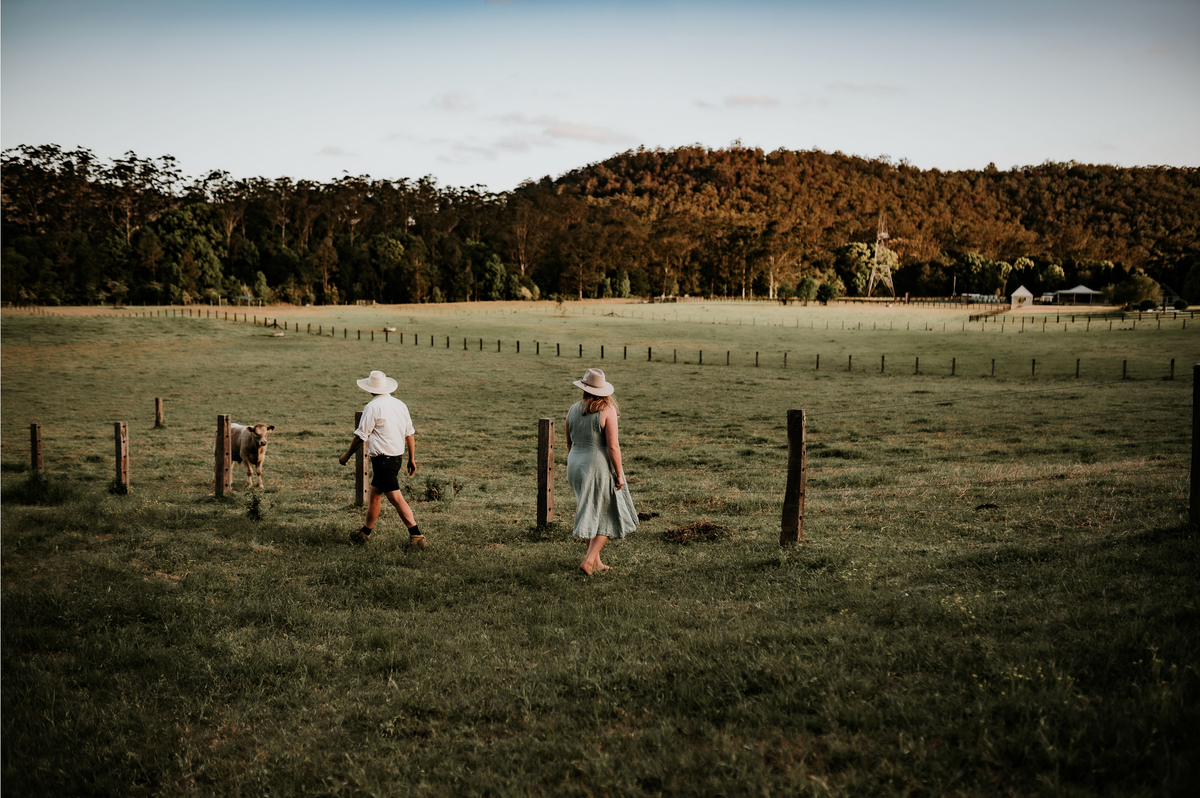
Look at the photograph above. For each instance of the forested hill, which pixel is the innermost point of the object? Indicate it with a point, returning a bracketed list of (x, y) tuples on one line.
[(728, 222)]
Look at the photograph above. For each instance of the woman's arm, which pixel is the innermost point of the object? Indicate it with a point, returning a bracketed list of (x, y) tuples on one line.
[(608, 421), (567, 427)]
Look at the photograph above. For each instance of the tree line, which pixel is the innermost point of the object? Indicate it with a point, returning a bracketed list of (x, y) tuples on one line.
[(732, 222)]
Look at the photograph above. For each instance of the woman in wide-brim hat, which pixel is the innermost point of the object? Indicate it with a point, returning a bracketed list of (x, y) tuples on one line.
[(603, 505)]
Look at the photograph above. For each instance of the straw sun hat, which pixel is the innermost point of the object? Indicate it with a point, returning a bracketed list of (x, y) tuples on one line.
[(377, 383), (593, 382)]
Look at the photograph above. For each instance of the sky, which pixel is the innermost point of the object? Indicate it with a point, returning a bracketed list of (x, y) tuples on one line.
[(479, 92)]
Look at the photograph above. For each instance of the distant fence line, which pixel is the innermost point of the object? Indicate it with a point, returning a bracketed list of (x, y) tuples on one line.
[(1020, 324)]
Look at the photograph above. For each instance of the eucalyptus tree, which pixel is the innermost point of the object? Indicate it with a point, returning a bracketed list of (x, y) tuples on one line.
[(45, 189), (135, 191)]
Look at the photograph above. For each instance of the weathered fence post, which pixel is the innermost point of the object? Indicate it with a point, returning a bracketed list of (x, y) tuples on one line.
[(158, 413), (1194, 504), (792, 528), (360, 468), (35, 449), (121, 433), (222, 462), (1077, 368), (545, 497)]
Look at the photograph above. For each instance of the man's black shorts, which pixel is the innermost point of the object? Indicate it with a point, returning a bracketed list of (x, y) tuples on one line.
[(385, 469)]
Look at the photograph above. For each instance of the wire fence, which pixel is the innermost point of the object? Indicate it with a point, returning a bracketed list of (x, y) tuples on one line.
[(1148, 434)]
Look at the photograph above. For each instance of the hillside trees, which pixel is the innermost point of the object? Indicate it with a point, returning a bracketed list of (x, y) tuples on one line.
[(730, 222)]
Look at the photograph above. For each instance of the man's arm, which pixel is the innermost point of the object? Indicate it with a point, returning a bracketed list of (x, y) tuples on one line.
[(410, 443), (355, 445)]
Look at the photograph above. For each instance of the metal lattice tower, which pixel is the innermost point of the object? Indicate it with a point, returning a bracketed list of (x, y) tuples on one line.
[(881, 272)]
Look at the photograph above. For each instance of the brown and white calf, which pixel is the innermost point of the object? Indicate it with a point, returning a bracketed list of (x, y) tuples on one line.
[(248, 445)]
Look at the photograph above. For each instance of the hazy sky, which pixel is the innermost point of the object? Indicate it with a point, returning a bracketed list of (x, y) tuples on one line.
[(493, 93)]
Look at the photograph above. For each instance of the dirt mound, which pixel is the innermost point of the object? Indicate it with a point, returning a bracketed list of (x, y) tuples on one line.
[(699, 531)]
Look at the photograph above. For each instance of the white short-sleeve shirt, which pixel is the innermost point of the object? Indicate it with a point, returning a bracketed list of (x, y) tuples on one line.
[(384, 425)]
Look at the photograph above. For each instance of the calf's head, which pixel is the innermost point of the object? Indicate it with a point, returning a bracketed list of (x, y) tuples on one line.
[(257, 443)]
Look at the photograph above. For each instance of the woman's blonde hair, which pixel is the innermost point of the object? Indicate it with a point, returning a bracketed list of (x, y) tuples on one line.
[(595, 404)]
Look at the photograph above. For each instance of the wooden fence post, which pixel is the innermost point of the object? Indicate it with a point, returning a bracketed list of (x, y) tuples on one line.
[(121, 433), (545, 497), (360, 468), (1194, 504), (222, 461), (158, 413), (35, 449), (792, 528)]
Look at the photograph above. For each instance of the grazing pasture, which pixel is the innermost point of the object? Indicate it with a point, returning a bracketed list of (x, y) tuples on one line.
[(997, 594)]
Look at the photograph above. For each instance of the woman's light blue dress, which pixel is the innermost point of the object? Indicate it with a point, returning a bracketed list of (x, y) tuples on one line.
[(600, 508)]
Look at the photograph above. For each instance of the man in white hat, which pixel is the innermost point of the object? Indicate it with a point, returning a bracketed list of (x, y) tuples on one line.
[(386, 429)]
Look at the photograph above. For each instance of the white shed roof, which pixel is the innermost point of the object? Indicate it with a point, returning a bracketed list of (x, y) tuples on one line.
[(1079, 289), (1022, 291)]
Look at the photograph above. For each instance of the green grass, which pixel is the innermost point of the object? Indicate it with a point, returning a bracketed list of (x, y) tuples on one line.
[(170, 643)]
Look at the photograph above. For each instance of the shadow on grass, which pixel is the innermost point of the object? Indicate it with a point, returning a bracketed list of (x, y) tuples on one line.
[(39, 489)]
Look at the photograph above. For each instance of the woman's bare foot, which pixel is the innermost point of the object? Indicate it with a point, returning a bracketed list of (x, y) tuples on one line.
[(603, 567), (587, 568)]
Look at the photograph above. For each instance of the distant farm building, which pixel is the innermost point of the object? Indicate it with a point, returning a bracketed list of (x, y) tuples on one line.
[(1022, 297), (1079, 295)]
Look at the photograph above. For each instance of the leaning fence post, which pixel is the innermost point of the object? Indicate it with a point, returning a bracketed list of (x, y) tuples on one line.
[(1194, 504), (121, 433), (35, 449), (222, 464), (792, 528), (158, 413), (545, 478), (360, 468)]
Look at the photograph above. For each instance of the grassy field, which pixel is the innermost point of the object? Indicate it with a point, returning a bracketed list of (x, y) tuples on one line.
[(998, 593)]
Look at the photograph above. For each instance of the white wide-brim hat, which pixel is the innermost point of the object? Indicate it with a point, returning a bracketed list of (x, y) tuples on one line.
[(593, 382), (378, 383)]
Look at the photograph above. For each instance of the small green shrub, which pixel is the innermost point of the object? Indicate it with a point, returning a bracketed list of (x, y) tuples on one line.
[(258, 506), (1181, 304), (442, 490)]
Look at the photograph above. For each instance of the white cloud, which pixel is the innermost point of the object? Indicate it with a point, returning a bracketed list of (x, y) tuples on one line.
[(750, 99), (522, 143), (554, 128), (452, 101), (581, 132), (874, 89), (331, 149)]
